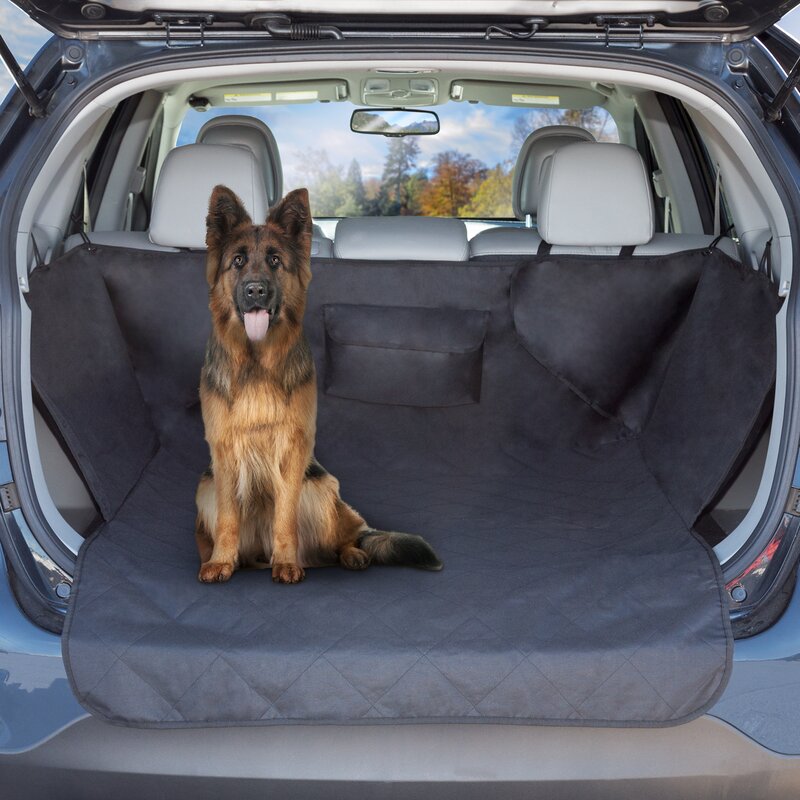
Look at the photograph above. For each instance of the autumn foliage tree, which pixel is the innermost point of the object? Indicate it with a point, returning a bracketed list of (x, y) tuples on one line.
[(492, 198), (454, 180)]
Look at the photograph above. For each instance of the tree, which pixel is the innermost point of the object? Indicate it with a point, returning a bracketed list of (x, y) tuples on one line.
[(355, 183), (415, 185), (372, 192), (354, 197), (325, 183), (401, 158), (331, 194), (455, 178), (492, 198)]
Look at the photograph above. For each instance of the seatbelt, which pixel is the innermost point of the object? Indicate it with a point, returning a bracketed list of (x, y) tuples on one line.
[(544, 248), (717, 197), (87, 214), (135, 188), (38, 256), (85, 224), (659, 184)]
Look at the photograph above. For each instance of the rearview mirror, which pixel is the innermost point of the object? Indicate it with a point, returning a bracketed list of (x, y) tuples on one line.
[(394, 121)]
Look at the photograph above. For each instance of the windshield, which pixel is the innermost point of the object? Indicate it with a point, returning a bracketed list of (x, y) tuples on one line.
[(463, 171)]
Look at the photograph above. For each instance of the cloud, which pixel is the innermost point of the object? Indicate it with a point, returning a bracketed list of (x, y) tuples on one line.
[(481, 131), (23, 37)]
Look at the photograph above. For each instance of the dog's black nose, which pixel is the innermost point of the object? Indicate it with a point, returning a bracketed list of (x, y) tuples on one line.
[(256, 290)]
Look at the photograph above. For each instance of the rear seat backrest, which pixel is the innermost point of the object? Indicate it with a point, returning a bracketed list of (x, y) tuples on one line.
[(596, 198), (401, 239), (535, 153)]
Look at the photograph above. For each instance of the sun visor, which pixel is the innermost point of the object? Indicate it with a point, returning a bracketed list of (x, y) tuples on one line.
[(530, 95), (261, 94)]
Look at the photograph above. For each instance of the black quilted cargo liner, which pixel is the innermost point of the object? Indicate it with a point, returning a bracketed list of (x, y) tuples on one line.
[(560, 496)]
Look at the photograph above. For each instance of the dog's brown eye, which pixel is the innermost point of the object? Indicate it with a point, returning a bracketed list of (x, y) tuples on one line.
[(274, 261), (238, 261)]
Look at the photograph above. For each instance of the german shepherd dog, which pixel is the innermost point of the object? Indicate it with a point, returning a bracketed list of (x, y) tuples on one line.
[(265, 501)]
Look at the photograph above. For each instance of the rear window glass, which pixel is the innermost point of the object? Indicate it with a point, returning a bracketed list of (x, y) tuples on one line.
[(463, 171)]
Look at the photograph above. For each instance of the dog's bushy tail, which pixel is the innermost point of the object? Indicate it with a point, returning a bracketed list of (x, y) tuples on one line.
[(398, 549)]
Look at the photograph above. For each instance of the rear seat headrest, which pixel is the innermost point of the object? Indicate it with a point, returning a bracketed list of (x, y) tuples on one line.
[(241, 131), (401, 238), (596, 194), (535, 152), (187, 177)]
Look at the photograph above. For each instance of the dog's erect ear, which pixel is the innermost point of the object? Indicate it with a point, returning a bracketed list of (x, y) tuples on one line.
[(293, 213), (225, 212)]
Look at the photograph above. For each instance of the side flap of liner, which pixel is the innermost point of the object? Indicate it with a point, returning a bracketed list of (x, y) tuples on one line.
[(81, 369), (602, 325)]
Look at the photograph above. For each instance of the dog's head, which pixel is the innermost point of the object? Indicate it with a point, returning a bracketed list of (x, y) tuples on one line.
[(258, 274)]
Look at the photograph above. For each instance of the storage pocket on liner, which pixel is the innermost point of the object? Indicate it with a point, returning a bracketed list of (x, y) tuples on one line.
[(424, 357)]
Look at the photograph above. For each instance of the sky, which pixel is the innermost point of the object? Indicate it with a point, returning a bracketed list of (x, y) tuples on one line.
[(22, 35)]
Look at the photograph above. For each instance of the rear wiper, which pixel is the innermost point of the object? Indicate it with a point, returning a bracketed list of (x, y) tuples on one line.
[(35, 103)]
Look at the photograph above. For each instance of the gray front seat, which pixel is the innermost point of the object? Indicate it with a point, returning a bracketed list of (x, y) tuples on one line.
[(238, 130), (535, 153), (596, 198), (180, 200)]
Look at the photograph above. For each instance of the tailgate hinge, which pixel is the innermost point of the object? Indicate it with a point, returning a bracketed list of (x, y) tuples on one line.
[(36, 105), (184, 30), (624, 30), (9, 499), (774, 107)]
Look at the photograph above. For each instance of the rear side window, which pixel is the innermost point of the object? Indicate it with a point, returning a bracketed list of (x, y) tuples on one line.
[(463, 171)]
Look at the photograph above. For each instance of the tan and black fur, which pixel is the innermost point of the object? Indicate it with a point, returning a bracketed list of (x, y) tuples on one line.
[(265, 500)]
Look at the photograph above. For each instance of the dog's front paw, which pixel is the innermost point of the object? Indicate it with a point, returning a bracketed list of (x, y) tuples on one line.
[(287, 573), (215, 571)]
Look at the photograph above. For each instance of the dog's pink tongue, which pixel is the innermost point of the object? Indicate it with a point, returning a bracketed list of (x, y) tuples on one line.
[(256, 324)]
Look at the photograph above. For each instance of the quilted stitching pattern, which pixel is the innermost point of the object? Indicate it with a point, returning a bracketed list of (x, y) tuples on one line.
[(571, 592)]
